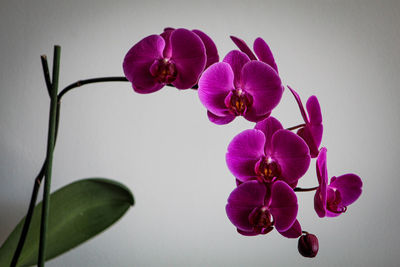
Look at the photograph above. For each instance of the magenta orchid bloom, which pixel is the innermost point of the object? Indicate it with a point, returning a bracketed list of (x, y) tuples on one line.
[(255, 208), (268, 152), (313, 129), (239, 86), (332, 200), (176, 57), (261, 49)]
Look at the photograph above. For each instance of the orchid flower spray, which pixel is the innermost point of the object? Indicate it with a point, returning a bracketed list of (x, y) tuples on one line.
[(269, 159)]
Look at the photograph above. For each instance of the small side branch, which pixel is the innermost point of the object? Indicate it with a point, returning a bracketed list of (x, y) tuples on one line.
[(296, 127), (299, 189)]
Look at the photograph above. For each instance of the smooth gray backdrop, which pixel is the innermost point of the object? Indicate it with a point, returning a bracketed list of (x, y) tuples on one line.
[(164, 148)]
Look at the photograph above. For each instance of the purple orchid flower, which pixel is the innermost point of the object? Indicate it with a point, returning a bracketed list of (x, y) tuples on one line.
[(268, 152), (255, 208), (176, 57), (332, 200), (239, 87), (313, 129), (261, 49)]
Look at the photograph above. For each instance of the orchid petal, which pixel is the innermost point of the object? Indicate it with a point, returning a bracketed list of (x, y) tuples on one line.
[(255, 232), (220, 120), (332, 214), (314, 110), (211, 49), (242, 201), (322, 170), (167, 38), (307, 135), (294, 231), (320, 202), (263, 84), (243, 153), (138, 61), (317, 131), (247, 233), (239, 216), (214, 85), (349, 186), (300, 104), (268, 126), (189, 57), (256, 118), (315, 115), (243, 47), (283, 205), (236, 60), (291, 153), (320, 197), (264, 53)]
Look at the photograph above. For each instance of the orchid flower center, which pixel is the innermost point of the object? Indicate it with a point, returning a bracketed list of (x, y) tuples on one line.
[(267, 170), (334, 201), (163, 70), (238, 102), (260, 219)]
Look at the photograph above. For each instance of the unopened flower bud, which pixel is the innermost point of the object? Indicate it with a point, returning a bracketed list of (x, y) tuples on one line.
[(308, 245)]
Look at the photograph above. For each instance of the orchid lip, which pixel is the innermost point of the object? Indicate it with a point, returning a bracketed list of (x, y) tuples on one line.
[(334, 205), (261, 220), (238, 102), (267, 170), (163, 70)]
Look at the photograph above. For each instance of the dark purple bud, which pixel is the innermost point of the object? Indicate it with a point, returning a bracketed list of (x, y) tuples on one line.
[(308, 245)]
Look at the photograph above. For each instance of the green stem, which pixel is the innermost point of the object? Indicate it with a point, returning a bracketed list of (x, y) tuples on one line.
[(49, 157), (46, 73), (28, 217), (37, 181)]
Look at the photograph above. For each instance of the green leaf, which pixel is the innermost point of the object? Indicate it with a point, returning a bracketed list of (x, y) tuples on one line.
[(78, 212)]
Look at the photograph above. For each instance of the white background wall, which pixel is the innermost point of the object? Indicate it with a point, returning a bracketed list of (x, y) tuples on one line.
[(163, 147)]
